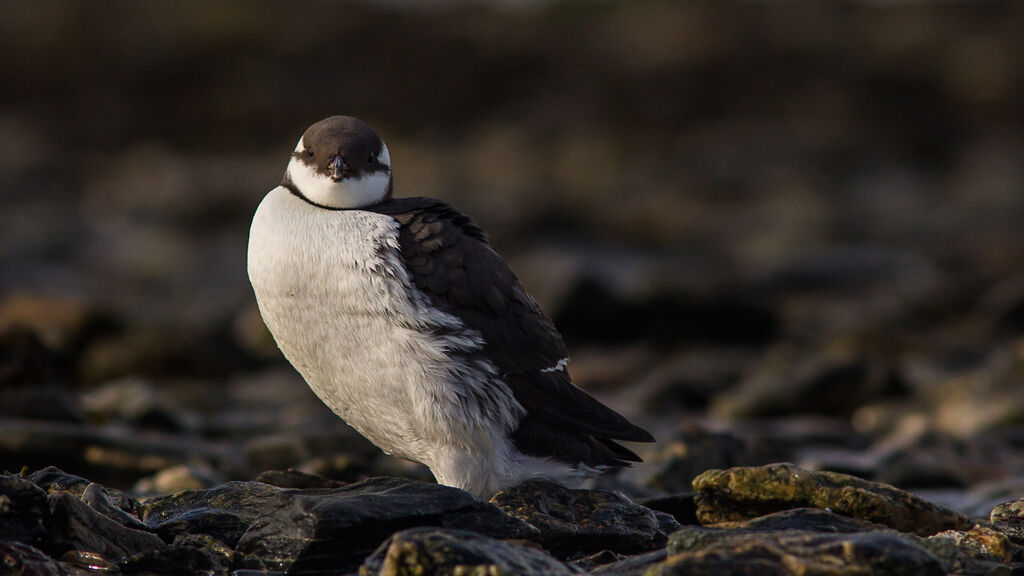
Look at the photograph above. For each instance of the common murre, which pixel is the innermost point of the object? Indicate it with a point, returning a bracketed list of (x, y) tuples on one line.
[(406, 323)]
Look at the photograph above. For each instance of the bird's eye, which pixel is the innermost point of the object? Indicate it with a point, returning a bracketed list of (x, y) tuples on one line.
[(309, 151), (371, 160)]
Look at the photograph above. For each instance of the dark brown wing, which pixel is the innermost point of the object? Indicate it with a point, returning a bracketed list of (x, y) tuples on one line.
[(449, 260)]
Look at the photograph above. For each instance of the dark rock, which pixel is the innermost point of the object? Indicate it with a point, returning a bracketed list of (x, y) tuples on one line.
[(806, 519), (224, 512), (433, 551), (53, 479), (90, 562), (174, 559), (41, 402), (24, 513), (832, 380), (681, 506), (1008, 518), (796, 553), (120, 508), (742, 493), (295, 479), (635, 565), (17, 558), (298, 530), (980, 543), (694, 449), (76, 526), (573, 521), (602, 558), (25, 360)]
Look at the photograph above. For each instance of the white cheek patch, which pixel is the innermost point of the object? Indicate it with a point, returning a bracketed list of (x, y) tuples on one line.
[(348, 193), (383, 158), (300, 147), (561, 365)]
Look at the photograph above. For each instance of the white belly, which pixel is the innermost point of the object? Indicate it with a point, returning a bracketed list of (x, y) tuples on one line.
[(333, 292)]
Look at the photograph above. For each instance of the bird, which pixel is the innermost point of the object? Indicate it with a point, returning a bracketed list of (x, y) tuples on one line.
[(402, 318)]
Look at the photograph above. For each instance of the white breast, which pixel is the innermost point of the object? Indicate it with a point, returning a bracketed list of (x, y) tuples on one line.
[(332, 290)]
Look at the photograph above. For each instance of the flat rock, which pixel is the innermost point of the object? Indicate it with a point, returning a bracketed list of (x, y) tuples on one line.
[(743, 493), (300, 530), (799, 553), (584, 520), (434, 551), (1008, 518)]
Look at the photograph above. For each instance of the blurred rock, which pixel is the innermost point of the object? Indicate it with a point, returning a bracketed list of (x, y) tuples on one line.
[(296, 479), (636, 565), (688, 381), (833, 380), (695, 449), (188, 476), (436, 552), (41, 402), (583, 520), (175, 559), (139, 403), (1003, 306), (740, 493), (1008, 518), (26, 361), (680, 506)]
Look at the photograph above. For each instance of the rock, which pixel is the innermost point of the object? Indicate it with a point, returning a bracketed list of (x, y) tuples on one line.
[(139, 403), (434, 551), (76, 526), (742, 493), (833, 380), (186, 476), (694, 449), (680, 506), (635, 565), (24, 513), (174, 559), (87, 561), (1008, 518), (296, 479), (272, 528), (40, 402), (798, 553), (805, 519), (53, 479), (17, 558), (26, 361), (573, 521), (980, 543), (120, 508)]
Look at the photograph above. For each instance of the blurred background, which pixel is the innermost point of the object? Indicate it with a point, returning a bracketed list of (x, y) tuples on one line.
[(768, 230)]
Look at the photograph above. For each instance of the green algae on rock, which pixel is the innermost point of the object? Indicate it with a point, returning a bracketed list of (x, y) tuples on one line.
[(742, 493)]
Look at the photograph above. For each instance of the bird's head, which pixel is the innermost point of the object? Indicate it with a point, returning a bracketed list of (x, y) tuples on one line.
[(340, 162)]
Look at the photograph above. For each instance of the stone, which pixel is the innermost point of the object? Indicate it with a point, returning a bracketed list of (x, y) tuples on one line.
[(799, 553), (174, 559), (981, 542), (694, 449), (24, 513), (583, 520), (1008, 518), (681, 506), (805, 519), (113, 504), (635, 565), (76, 526), (743, 493), (279, 529), (18, 558), (433, 551), (296, 479)]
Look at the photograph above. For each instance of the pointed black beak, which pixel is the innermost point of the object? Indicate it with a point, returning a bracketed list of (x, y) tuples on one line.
[(338, 168)]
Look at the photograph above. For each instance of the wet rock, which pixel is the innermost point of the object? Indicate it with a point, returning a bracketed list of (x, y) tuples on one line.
[(272, 528), (76, 526), (113, 504), (695, 449), (296, 479), (572, 521), (53, 479), (805, 519), (433, 551), (88, 561), (174, 559), (17, 558), (224, 512), (1008, 518), (24, 513), (797, 553), (742, 493)]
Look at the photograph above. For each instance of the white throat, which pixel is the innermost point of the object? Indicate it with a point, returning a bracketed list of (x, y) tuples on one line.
[(366, 190)]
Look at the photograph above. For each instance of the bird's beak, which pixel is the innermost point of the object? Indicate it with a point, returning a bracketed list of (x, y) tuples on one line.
[(338, 168)]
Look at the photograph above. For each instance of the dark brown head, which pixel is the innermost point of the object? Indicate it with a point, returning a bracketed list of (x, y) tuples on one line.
[(340, 162)]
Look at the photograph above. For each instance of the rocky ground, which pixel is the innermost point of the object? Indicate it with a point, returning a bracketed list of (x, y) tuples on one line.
[(769, 231)]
